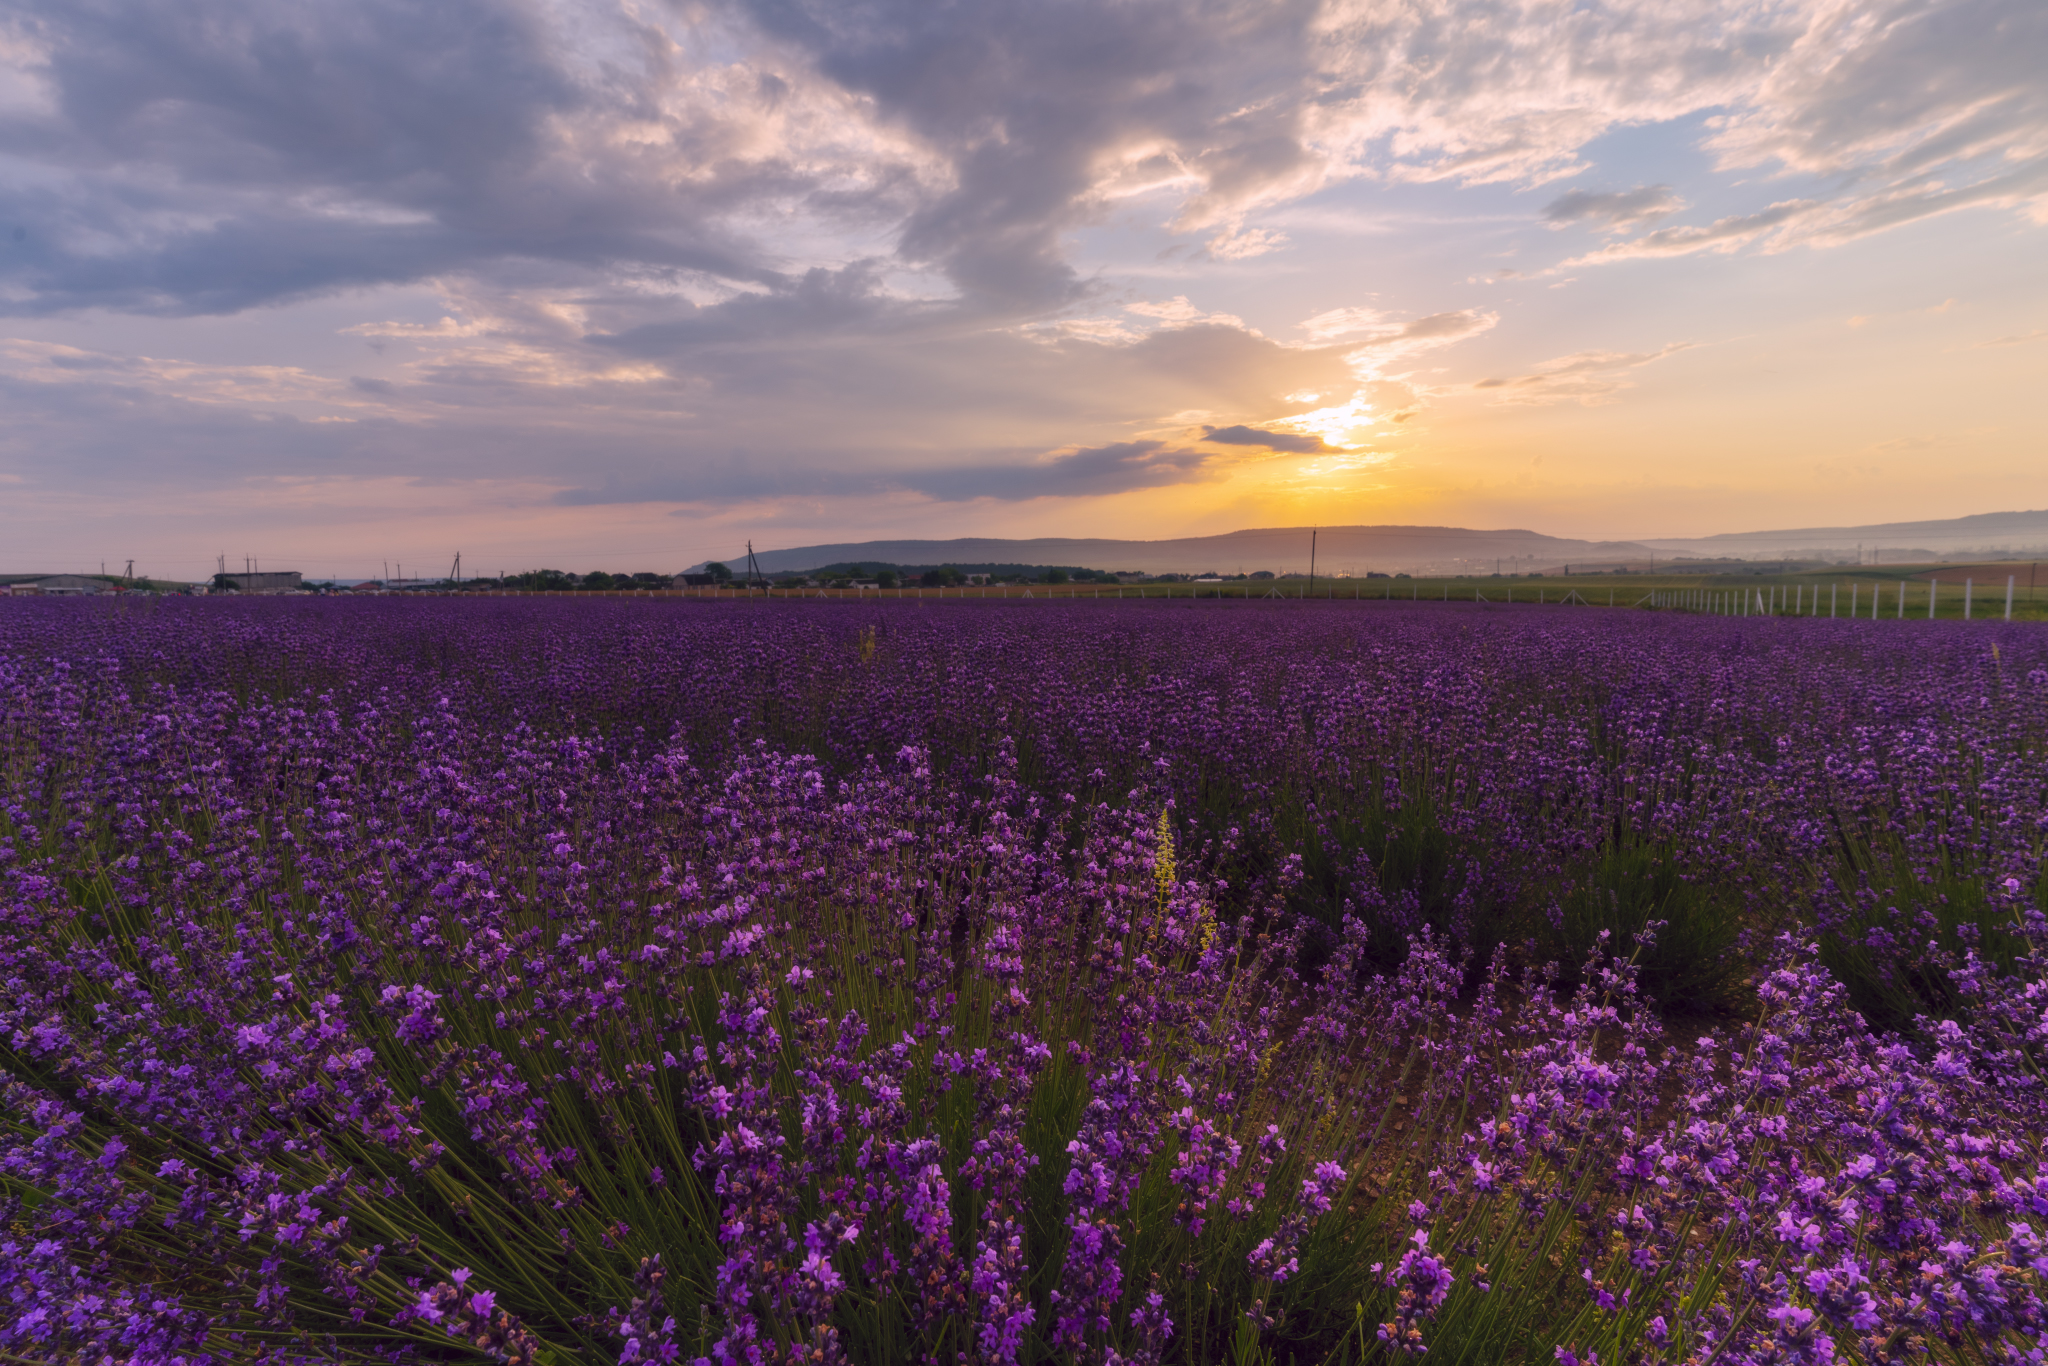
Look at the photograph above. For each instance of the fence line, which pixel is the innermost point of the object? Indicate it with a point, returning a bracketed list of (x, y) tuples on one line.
[(1773, 600)]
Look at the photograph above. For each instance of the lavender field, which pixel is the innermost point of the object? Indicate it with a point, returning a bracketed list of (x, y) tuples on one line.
[(561, 982)]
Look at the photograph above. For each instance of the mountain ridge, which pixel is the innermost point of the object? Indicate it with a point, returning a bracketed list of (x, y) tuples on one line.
[(1408, 548)]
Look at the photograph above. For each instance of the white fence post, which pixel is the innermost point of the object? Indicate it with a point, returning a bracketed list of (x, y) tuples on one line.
[(1932, 584), (1968, 585), (1834, 599), (2008, 596)]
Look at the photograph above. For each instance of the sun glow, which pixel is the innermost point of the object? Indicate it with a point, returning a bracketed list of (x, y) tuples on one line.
[(1335, 425)]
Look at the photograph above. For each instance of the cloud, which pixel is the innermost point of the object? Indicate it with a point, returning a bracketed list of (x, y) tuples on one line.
[(237, 153), (743, 248), (1369, 328), (1178, 312), (234, 153), (1441, 328), (1895, 89), (1095, 471), (709, 415), (1723, 235), (1344, 322), (1910, 109), (1589, 377), (2017, 338), (1240, 244), (1273, 441), (1613, 209)]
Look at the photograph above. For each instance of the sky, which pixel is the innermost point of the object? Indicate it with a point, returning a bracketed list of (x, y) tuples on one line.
[(345, 287)]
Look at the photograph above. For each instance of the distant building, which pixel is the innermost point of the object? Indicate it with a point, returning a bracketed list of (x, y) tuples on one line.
[(59, 585), (269, 581)]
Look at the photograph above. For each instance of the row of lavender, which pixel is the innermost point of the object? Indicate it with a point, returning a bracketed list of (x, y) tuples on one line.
[(677, 981)]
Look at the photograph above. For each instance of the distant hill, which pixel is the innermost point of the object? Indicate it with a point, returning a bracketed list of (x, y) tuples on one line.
[(1989, 533), (1338, 549), (1427, 549)]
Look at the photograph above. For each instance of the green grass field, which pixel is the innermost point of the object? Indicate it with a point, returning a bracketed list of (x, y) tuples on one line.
[(1839, 592)]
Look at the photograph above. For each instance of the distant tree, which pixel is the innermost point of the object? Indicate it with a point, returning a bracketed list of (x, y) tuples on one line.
[(1055, 576), (648, 580), (598, 579), (943, 577), (887, 578), (718, 572)]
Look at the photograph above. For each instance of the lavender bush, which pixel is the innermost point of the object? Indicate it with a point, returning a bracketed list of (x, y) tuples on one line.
[(549, 983)]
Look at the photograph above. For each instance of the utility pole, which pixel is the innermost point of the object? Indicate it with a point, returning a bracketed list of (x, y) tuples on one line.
[(456, 573), (129, 573)]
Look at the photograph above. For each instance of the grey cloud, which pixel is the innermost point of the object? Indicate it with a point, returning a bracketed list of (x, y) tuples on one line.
[(726, 477), (1117, 467), (1615, 208), (1027, 102), (1722, 235), (75, 434), (819, 304), (1912, 109), (90, 361), (716, 418), (1272, 441), (219, 155), (1897, 86), (226, 154), (935, 376)]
